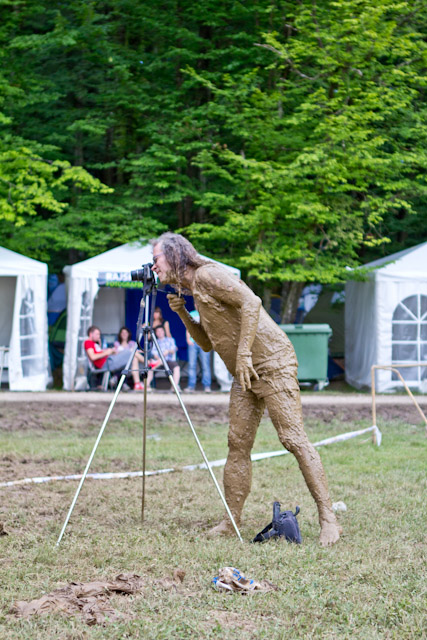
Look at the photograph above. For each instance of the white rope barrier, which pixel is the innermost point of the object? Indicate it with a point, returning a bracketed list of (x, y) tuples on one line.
[(272, 454), (191, 467)]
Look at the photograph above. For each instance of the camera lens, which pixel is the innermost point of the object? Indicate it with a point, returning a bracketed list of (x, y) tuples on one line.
[(137, 275)]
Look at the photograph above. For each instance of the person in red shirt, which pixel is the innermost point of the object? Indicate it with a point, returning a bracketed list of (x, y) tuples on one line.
[(112, 358)]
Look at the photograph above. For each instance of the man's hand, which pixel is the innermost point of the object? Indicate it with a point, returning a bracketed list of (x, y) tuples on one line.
[(176, 304), (245, 371)]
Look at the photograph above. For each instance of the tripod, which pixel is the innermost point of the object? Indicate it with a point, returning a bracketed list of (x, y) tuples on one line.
[(144, 333)]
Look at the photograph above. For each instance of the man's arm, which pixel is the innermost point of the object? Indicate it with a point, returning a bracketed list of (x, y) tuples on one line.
[(224, 287), (97, 355), (193, 327), (171, 347)]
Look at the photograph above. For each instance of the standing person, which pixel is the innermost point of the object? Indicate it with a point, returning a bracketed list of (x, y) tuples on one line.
[(260, 357), (196, 352), (159, 321)]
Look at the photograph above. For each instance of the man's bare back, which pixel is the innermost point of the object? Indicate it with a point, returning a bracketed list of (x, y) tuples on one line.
[(222, 300)]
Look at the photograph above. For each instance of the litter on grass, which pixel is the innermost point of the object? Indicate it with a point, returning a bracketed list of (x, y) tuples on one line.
[(230, 579), (339, 506)]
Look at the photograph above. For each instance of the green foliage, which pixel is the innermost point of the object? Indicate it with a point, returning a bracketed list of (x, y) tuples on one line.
[(287, 138), (328, 155), (29, 183), (71, 89)]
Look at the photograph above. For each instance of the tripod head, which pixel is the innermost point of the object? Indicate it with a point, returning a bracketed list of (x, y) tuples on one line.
[(149, 291), (146, 276)]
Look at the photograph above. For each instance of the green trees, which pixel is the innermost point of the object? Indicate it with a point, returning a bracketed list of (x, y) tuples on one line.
[(33, 182), (287, 138), (330, 154), (72, 69)]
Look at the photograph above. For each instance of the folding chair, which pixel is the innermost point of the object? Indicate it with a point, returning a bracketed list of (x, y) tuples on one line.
[(93, 371)]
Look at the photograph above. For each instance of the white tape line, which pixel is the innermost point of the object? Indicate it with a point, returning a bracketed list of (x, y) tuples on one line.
[(378, 434), (190, 467), (94, 476)]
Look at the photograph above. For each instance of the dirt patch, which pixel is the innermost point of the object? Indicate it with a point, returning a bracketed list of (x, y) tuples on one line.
[(85, 420), (44, 416), (16, 467), (220, 619), (385, 413)]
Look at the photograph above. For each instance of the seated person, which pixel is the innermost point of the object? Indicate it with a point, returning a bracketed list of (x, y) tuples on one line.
[(124, 340), (109, 358), (169, 350)]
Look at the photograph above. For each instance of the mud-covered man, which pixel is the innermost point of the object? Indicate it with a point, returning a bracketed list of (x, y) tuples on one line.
[(262, 360)]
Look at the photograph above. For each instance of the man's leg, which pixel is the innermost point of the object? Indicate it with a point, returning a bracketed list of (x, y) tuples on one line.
[(118, 361), (285, 411), (138, 358), (245, 414), (192, 366), (150, 376), (205, 359), (176, 374)]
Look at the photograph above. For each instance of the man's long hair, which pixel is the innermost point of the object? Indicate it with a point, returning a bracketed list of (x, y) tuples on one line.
[(180, 254)]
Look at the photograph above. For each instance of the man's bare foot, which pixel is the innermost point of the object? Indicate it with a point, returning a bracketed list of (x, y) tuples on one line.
[(330, 533), (224, 528)]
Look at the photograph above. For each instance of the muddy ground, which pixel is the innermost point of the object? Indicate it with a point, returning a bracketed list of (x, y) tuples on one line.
[(29, 504), (46, 415), (85, 419)]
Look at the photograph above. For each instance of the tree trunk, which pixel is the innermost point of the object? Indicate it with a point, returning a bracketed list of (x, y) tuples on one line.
[(291, 292), (266, 298)]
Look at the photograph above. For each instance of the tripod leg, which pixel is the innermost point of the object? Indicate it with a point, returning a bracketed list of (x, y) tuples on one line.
[(89, 462), (208, 466), (144, 449), (178, 395), (104, 424)]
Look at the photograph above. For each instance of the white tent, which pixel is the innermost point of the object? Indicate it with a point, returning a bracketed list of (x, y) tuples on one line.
[(89, 304), (386, 321), (23, 320)]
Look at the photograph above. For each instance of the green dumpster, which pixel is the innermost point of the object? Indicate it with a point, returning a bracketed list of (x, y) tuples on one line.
[(310, 342)]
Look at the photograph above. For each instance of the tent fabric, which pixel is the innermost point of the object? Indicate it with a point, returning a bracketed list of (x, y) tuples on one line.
[(386, 321), (23, 320), (89, 304)]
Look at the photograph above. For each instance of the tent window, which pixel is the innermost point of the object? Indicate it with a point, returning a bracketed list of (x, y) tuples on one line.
[(31, 359), (409, 336)]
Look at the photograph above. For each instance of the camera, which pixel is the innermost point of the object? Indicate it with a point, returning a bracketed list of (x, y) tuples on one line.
[(144, 275)]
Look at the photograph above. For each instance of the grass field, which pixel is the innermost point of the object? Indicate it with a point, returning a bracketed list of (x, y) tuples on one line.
[(372, 584)]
